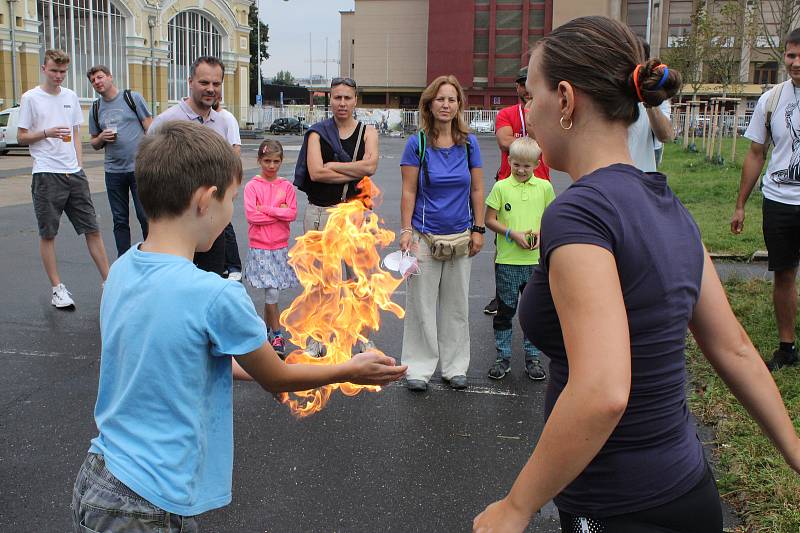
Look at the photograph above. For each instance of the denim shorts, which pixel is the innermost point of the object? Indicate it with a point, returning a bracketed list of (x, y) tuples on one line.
[(101, 503), (54, 194)]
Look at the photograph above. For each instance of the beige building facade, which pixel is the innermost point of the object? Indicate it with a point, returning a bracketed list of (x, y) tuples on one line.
[(147, 45), (384, 46)]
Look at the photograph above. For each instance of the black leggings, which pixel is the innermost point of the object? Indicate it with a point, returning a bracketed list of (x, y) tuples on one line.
[(697, 511)]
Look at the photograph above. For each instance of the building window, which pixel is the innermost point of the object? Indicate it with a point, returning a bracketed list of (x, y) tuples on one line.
[(766, 73), (509, 20), (191, 34), (679, 20), (536, 19), (637, 17), (506, 68), (509, 44), (480, 68), (481, 44), (481, 20), (92, 32)]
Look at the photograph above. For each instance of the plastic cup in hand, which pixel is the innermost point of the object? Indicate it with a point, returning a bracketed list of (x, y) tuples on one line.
[(112, 119), (67, 138)]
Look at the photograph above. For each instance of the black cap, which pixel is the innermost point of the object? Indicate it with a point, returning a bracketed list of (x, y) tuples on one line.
[(522, 75)]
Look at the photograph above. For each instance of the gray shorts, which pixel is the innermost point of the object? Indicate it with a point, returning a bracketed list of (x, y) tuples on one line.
[(101, 502), (54, 194)]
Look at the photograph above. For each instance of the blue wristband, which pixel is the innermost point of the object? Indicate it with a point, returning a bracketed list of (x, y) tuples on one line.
[(508, 230)]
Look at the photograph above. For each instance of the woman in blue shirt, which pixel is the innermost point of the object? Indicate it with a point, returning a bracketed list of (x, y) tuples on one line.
[(442, 201), (623, 276)]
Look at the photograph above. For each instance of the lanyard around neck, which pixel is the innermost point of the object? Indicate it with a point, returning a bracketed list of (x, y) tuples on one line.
[(522, 121)]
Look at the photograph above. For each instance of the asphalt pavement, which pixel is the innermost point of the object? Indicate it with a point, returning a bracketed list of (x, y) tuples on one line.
[(386, 461)]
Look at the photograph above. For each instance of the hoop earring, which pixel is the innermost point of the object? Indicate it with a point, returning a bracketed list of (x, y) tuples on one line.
[(561, 122)]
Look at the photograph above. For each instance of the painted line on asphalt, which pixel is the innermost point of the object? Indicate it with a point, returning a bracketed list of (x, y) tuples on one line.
[(34, 353), (471, 389)]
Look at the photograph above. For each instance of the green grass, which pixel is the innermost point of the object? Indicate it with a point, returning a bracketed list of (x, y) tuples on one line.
[(709, 192), (753, 475)]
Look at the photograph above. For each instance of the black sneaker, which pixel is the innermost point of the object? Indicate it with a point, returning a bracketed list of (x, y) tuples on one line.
[(780, 359), (491, 307), (499, 369), (535, 370)]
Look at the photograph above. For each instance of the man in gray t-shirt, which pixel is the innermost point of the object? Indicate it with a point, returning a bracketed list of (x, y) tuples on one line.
[(117, 122)]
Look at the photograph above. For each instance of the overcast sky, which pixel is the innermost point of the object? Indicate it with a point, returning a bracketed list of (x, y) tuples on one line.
[(289, 26)]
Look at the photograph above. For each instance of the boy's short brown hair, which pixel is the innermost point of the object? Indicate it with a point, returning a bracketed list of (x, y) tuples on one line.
[(59, 57), (176, 160)]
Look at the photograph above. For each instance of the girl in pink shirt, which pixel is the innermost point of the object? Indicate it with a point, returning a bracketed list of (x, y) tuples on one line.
[(270, 205)]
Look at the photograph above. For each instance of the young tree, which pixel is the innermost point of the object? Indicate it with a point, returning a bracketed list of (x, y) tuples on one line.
[(255, 70), (284, 77), (773, 20), (689, 51), (728, 37)]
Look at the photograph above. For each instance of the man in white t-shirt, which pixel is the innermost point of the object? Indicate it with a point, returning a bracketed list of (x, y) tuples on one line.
[(650, 131), (49, 123), (780, 187)]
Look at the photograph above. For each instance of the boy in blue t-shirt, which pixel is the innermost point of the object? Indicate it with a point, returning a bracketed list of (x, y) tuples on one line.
[(169, 332), (514, 211)]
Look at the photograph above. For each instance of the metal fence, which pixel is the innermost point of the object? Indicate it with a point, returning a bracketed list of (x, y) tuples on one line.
[(700, 121), (388, 121)]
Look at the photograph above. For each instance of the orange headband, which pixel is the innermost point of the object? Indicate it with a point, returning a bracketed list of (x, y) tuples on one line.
[(636, 82)]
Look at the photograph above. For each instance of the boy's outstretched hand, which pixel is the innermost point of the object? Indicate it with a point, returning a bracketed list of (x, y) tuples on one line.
[(372, 368)]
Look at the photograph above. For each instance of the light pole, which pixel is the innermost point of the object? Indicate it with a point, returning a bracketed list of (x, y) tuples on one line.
[(12, 24), (151, 22), (258, 47)]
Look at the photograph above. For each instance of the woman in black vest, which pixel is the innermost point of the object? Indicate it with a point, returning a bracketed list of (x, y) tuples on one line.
[(330, 144)]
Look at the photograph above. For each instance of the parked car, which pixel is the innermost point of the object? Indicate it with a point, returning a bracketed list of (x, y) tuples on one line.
[(8, 128), (2, 143), (288, 125), (482, 126)]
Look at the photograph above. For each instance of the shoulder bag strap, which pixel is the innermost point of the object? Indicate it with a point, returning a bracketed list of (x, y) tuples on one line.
[(355, 157), (96, 113), (772, 105), (126, 95)]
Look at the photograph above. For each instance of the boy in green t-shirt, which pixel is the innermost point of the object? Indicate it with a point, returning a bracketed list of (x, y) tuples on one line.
[(514, 211)]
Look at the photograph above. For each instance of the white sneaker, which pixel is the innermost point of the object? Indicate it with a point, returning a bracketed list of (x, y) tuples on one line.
[(235, 276), (62, 299)]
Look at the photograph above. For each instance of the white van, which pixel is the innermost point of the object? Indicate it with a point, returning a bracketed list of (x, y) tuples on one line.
[(8, 126)]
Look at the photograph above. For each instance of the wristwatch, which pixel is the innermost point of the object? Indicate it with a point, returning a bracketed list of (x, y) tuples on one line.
[(478, 229)]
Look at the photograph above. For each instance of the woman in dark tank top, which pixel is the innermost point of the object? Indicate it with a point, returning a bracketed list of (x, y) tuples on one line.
[(623, 275), (328, 194), (332, 180), (329, 177)]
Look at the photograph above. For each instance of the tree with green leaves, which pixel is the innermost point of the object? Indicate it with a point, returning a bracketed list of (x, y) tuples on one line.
[(773, 20), (284, 77), (255, 70), (689, 51)]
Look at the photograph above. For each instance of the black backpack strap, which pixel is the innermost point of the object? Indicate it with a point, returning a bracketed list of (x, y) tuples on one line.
[(126, 95), (423, 162), (469, 155), (96, 114)]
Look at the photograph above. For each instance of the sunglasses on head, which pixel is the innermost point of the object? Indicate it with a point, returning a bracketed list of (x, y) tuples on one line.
[(343, 81)]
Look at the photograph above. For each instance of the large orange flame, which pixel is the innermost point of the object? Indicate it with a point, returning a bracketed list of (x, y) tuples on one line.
[(331, 309)]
